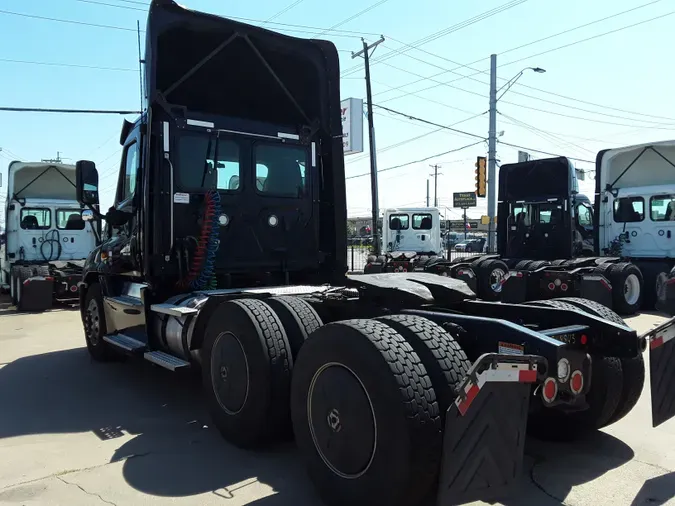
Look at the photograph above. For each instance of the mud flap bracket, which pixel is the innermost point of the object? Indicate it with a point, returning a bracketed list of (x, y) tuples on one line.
[(485, 428), (661, 342)]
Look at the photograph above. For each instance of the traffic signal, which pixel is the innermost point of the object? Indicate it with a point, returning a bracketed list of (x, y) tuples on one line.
[(481, 176)]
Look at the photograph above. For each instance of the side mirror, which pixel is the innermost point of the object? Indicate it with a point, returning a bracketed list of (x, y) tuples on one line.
[(86, 182), (87, 215)]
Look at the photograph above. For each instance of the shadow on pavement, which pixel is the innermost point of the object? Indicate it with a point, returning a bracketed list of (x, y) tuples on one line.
[(175, 451), (558, 467), (656, 491)]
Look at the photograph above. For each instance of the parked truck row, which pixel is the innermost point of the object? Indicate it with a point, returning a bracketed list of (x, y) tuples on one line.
[(553, 241), (224, 253)]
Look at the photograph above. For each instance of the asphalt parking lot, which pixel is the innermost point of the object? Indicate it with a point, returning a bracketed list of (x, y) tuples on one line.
[(76, 432)]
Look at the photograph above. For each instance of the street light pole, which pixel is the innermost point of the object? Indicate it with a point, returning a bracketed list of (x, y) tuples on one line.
[(492, 143), (492, 155)]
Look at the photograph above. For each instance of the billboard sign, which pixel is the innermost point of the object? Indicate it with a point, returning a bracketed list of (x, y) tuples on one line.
[(352, 125), (464, 199)]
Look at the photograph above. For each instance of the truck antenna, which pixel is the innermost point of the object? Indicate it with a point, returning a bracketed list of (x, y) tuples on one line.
[(140, 61)]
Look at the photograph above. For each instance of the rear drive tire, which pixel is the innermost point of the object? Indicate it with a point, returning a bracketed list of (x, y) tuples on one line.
[(633, 368), (365, 416), (655, 274), (298, 318), (442, 356), (12, 285), (627, 286), (246, 371), (93, 321), (490, 274)]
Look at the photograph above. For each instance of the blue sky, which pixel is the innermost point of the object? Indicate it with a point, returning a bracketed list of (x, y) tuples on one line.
[(611, 90)]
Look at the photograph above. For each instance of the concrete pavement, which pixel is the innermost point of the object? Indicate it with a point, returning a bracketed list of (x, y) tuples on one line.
[(74, 432)]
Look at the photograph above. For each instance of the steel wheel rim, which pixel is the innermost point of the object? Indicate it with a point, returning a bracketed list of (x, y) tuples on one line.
[(631, 289), (496, 277), (93, 320)]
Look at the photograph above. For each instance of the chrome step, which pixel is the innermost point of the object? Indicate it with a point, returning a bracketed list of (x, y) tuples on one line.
[(165, 360), (127, 300), (173, 310), (124, 342)]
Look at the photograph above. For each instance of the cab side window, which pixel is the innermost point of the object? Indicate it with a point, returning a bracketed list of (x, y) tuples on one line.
[(584, 216), (128, 184)]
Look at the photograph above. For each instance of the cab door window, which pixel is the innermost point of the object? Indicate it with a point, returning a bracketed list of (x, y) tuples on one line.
[(127, 187)]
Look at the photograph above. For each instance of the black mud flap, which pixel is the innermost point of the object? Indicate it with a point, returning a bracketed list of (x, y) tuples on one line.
[(596, 287), (373, 268), (465, 274), (485, 429), (665, 300), (514, 287), (661, 342)]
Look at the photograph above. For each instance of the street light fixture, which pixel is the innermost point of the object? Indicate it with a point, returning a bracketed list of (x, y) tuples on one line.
[(513, 80)]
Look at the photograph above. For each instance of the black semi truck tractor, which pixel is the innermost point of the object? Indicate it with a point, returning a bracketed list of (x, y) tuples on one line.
[(545, 244), (224, 252)]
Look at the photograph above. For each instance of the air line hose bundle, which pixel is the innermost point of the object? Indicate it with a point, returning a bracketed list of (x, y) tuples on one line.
[(201, 275)]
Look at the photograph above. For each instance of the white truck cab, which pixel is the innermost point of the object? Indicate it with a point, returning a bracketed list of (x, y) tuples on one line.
[(46, 238), (415, 230), (635, 204)]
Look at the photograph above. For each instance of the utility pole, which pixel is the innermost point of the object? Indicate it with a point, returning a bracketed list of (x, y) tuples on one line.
[(427, 192), (371, 137), (435, 174), (492, 155)]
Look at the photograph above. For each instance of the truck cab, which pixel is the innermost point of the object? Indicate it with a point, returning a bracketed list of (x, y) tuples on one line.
[(46, 234), (416, 230), (541, 213)]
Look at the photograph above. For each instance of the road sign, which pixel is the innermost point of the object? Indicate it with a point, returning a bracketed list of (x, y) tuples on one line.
[(464, 199)]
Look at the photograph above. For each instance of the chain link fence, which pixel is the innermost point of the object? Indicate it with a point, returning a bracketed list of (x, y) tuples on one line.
[(358, 250)]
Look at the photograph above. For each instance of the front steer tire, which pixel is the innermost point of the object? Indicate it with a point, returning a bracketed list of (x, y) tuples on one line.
[(93, 321), (246, 372), (365, 416)]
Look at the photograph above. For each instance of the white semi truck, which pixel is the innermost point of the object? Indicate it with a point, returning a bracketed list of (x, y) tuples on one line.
[(46, 239), (635, 207)]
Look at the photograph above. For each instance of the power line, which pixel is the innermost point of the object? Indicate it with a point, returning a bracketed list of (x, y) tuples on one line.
[(651, 122), (442, 33), (261, 22), (75, 65), (66, 111), (420, 160), (283, 11), (469, 65), (67, 21), (543, 152), (531, 56), (429, 122), (353, 17)]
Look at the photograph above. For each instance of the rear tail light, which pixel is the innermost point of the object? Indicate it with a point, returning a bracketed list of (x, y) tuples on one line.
[(564, 370), (577, 382), (550, 390), (564, 287), (551, 286)]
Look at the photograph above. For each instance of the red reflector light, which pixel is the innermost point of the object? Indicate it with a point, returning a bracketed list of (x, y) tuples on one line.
[(564, 287), (576, 382), (49, 278), (551, 286), (550, 390), (73, 288), (670, 281), (584, 339)]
